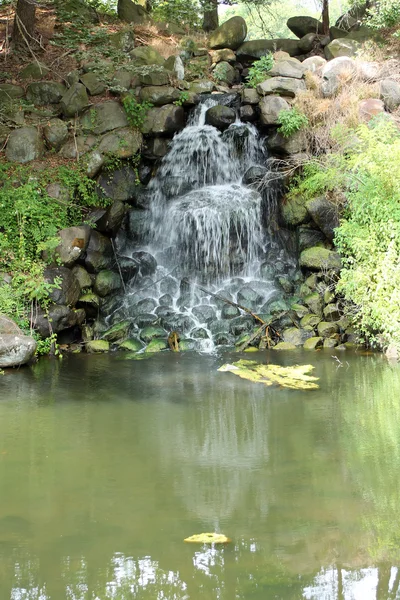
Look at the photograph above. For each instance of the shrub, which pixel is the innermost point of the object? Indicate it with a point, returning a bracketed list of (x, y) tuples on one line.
[(136, 112), (291, 121), (259, 71), (385, 13)]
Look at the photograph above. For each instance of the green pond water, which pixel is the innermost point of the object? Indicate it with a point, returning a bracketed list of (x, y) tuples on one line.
[(107, 464)]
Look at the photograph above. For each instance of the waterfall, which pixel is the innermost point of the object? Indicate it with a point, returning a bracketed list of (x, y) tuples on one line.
[(203, 230)]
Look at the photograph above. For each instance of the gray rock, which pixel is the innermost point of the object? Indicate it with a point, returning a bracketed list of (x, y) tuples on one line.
[(308, 41), (200, 333), (337, 33), (123, 40), (220, 116), (202, 86), (122, 143), (146, 262), (313, 64), (155, 77), (74, 101), (121, 80), (255, 49), (294, 144), (82, 276), (9, 92), (203, 313), (24, 145), (99, 253), (342, 47), (224, 73), (240, 325), (169, 285), (286, 86), (93, 84), (146, 55), (120, 184), (224, 54), (308, 237), (249, 297), (291, 67), (230, 34), (327, 329), (158, 95), (166, 300), (155, 148), (111, 219), (254, 175), (16, 349), (7, 326), (93, 162), (296, 336), (332, 312), (229, 312), (147, 305), (57, 318), (300, 26), (107, 282), (390, 93), (164, 120), (41, 93), (146, 320), (270, 107), (314, 303), (34, 70), (325, 214), (105, 117), (131, 13), (55, 133), (138, 225), (73, 243), (77, 147), (250, 96), (179, 322), (68, 290)]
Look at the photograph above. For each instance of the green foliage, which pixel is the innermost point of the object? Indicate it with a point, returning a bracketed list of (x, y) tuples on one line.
[(136, 111), (385, 13), (182, 12), (183, 97), (259, 71), (291, 121)]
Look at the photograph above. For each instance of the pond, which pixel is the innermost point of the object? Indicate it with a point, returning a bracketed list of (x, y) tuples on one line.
[(107, 464)]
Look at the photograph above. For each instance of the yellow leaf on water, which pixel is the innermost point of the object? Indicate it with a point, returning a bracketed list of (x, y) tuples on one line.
[(295, 377), (208, 538)]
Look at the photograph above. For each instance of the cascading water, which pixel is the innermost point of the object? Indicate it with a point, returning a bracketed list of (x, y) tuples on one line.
[(205, 230)]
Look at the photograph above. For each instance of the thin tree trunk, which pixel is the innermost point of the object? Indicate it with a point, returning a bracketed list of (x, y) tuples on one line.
[(24, 23), (325, 16), (210, 19)]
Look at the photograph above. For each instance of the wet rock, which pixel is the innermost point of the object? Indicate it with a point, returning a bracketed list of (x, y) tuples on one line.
[(164, 120), (286, 86), (68, 291), (153, 332), (203, 313), (24, 145), (106, 282), (308, 237), (229, 312), (325, 214), (16, 349), (240, 325), (317, 258), (179, 322), (157, 345), (146, 262), (110, 220), (300, 26), (41, 93), (254, 175), (156, 148), (55, 133), (82, 276), (99, 253), (220, 116), (117, 332), (169, 285), (296, 336), (284, 346), (164, 311), (249, 297), (165, 300), (131, 345), (310, 320), (327, 329), (73, 243), (97, 346), (332, 312), (230, 34), (147, 305), (330, 343), (200, 333), (107, 116), (313, 343), (188, 345), (146, 320), (247, 114), (90, 302), (75, 100), (121, 184)]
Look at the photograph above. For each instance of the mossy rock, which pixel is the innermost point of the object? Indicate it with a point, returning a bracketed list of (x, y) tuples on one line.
[(230, 34), (107, 282), (284, 346), (187, 345), (314, 303), (41, 93), (35, 70), (97, 346), (313, 343), (294, 211), (24, 145), (131, 345), (330, 343), (146, 55), (123, 40), (327, 329), (202, 86), (300, 310), (75, 100), (157, 345), (310, 320), (296, 336), (117, 332), (9, 92), (317, 259), (93, 84), (151, 332)]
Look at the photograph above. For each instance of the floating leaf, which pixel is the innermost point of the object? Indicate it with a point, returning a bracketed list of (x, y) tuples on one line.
[(208, 538), (295, 377)]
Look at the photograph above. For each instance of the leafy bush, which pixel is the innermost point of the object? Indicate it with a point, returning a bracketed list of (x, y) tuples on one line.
[(136, 112), (181, 12), (291, 121), (259, 71), (385, 13)]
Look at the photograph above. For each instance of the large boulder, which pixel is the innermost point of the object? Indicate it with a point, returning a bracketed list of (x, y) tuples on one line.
[(220, 116), (68, 290), (75, 100), (224, 73), (154, 77), (106, 282), (99, 253), (106, 116), (296, 336), (119, 184), (270, 107), (9, 91), (325, 214), (131, 12), (93, 84), (342, 47), (390, 93), (111, 219), (290, 67), (57, 318), (294, 144), (285, 86), (55, 133), (164, 120), (122, 143), (146, 55), (300, 26), (230, 34), (73, 242), (255, 49), (225, 54), (294, 211), (313, 64), (317, 259), (7, 326), (41, 93), (158, 95), (24, 145), (336, 71), (16, 349), (201, 86)]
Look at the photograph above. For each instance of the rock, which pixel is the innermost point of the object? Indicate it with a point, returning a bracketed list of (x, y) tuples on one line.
[(308, 237), (294, 144), (230, 34), (121, 184), (165, 120), (317, 259), (75, 148), (240, 325), (157, 345), (111, 219), (123, 40), (286, 86), (158, 95), (119, 331), (296, 336), (369, 71), (93, 162), (313, 343), (155, 148), (202, 86), (107, 116), (342, 47), (106, 282), (155, 78), (146, 320), (300, 26), (16, 349), (74, 101), (131, 345), (332, 312), (330, 342), (390, 94), (249, 297), (99, 253), (255, 49), (290, 67), (314, 302), (93, 85), (97, 346), (310, 320), (336, 33), (254, 175), (73, 242), (335, 72), (294, 211), (131, 13), (229, 312), (55, 133), (41, 93), (313, 64), (9, 92), (270, 107), (82, 276), (284, 346), (146, 262), (146, 55), (250, 96), (122, 143), (24, 145), (68, 290), (224, 73), (307, 42), (369, 108), (34, 70), (327, 329), (220, 116), (7, 326), (225, 54), (57, 318), (203, 313), (152, 332), (325, 214)]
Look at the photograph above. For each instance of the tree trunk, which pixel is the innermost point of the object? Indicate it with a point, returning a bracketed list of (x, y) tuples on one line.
[(210, 19), (325, 16), (24, 23)]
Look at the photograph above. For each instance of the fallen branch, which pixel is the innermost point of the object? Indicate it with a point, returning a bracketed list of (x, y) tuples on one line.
[(259, 331), (247, 310)]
